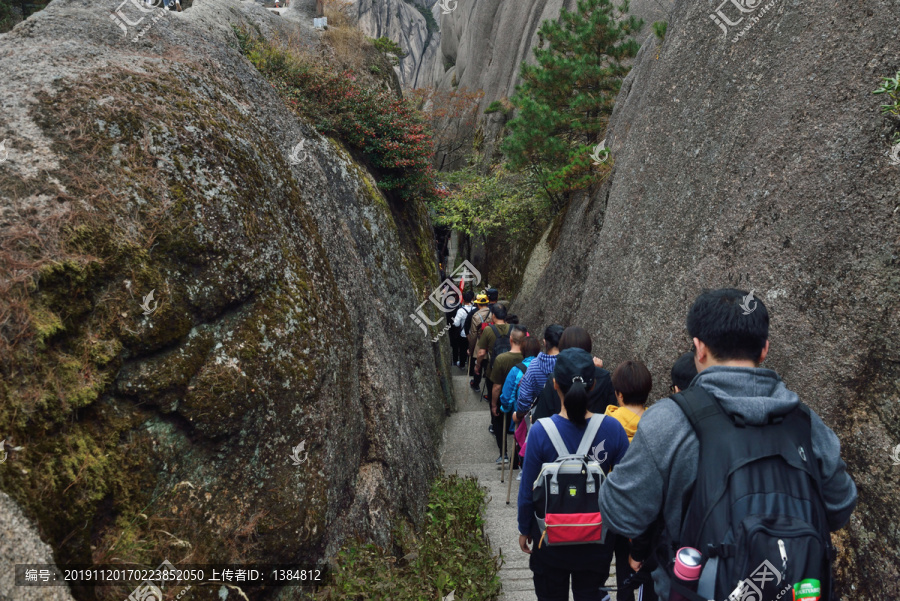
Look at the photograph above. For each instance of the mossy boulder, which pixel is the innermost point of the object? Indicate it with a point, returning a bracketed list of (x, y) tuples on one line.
[(162, 426)]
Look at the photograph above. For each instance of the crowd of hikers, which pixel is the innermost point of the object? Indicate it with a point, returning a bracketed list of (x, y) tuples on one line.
[(728, 489)]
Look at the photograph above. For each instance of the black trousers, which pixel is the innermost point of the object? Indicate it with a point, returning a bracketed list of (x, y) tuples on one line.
[(552, 583), (460, 347), (623, 570), (497, 422), (475, 377)]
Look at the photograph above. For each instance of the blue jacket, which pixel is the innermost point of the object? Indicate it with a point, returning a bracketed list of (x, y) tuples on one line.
[(510, 393)]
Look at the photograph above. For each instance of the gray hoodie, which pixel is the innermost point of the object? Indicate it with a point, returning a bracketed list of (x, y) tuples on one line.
[(661, 463)]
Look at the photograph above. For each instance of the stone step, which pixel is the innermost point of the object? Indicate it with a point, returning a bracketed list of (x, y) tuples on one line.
[(470, 450)]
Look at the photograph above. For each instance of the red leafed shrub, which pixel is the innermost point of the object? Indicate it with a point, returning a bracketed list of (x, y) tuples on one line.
[(392, 135)]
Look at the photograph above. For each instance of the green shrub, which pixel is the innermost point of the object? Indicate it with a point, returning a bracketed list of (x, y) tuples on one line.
[(494, 107), (500, 202), (430, 22), (890, 86), (450, 554), (391, 134), (659, 28), (8, 17), (391, 48)]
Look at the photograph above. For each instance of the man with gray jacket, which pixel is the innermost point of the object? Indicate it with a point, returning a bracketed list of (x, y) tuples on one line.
[(730, 333)]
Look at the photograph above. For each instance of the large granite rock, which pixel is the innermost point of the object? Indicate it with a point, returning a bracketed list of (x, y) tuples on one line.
[(484, 42), (279, 325), (21, 544), (402, 22), (758, 163)]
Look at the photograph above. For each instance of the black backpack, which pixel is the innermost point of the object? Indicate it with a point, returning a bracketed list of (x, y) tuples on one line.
[(756, 512), (566, 492), (501, 343), (470, 311)]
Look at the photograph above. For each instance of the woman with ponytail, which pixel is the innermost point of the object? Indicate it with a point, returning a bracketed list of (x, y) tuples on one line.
[(586, 565)]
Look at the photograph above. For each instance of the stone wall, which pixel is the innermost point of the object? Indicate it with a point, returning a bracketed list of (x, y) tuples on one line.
[(762, 164)]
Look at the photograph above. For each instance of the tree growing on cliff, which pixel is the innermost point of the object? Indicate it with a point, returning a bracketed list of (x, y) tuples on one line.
[(565, 100)]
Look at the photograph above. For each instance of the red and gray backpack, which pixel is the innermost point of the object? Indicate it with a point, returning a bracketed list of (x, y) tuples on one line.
[(756, 513), (566, 491)]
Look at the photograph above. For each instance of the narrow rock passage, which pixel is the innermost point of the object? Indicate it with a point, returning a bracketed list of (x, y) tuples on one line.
[(469, 450)]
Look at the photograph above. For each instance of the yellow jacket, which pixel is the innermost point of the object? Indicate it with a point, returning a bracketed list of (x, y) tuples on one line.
[(625, 416)]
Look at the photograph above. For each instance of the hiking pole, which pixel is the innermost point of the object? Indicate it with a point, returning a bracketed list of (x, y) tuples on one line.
[(515, 454), (503, 454)]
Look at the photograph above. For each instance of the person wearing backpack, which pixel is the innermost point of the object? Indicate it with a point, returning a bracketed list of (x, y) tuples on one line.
[(509, 394), (599, 398), (476, 318), (641, 559), (459, 340), (494, 341), (760, 495), (536, 377), (503, 365), (584, 560)]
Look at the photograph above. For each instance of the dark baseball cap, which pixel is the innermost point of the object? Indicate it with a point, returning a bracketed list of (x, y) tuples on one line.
[(572, 365)]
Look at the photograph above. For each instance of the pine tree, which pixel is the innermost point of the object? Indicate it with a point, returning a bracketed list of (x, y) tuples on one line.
[(565, 100)]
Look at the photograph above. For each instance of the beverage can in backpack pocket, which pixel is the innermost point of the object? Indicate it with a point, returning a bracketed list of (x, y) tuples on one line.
[(808, 589)]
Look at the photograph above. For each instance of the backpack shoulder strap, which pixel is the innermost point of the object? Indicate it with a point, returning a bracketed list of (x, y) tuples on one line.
[(553, 435), (697, 405), (589, 434), (522, 367), (496, 331)]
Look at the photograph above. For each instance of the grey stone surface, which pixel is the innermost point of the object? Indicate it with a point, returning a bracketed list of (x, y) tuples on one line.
[(483, 43), (403, 23), (20, 543), (759, 164), (284, 295)]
